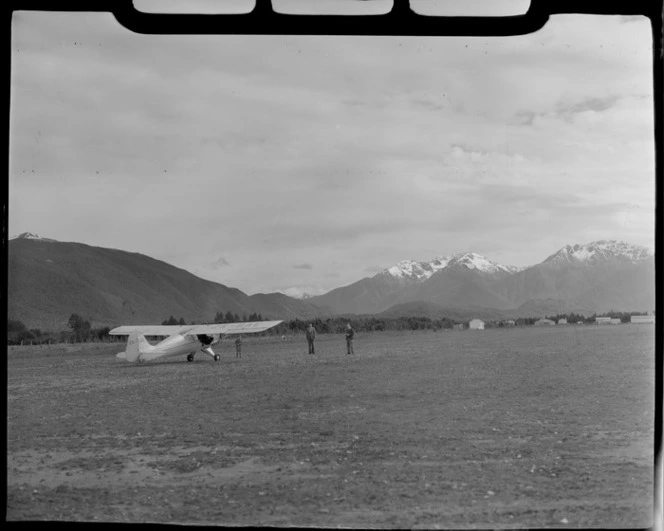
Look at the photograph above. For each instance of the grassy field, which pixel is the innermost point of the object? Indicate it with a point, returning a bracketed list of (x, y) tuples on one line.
[(530, 427)]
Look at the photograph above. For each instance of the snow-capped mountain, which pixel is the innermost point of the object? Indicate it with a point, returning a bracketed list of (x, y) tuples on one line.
[(422, 271), (599, 252), (31, 236), (480, 263), (463, 277), (416, 270), (598, 276), (302, 296), (302, 293)]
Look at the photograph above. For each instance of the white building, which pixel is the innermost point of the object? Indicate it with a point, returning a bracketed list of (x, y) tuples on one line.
[(638, 319), (544, 322), (476, 324), (602, 320), (562, 321)]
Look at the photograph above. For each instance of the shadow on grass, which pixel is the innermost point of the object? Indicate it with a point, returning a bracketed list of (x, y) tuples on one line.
[(153, 364)]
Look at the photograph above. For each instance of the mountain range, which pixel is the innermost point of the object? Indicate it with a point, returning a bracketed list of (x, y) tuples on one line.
[(49, 280), (599, 276)]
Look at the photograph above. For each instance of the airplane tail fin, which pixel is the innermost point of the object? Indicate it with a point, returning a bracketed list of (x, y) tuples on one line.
[(136, 345)]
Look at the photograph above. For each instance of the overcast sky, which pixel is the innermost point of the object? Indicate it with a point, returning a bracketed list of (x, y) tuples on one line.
[(306, 163)]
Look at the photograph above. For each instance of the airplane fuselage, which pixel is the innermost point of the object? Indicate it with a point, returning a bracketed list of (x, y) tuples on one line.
[(175, 345)]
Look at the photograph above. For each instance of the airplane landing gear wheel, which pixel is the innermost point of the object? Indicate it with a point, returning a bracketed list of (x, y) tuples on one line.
[(190, 357), (217, 357)]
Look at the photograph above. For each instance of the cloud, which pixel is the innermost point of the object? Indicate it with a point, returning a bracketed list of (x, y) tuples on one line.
[(314, 149), (427, 104), (219, 263), (590, 104), (524, 117)]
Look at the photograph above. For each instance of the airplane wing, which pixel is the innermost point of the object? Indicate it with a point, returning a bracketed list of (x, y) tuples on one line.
[(218, 328), (232, 328), (149, 330)]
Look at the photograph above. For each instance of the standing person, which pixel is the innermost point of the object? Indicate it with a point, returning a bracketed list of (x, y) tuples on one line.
[(238, 347), (311, 336), (349, 339)]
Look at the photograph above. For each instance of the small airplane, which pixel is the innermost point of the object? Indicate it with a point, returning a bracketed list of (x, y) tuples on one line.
[(184, 339)]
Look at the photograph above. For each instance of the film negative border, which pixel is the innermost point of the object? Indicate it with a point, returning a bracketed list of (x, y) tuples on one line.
[(400, 21)]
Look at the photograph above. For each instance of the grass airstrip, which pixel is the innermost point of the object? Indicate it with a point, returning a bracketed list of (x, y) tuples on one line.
[(525, 427)]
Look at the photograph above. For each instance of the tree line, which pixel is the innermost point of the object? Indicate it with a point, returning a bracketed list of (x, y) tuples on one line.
[(229, 317), (220, 317), (81, 331), (625, 317), (376, 324)]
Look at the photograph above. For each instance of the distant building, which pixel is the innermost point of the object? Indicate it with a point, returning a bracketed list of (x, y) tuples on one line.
[(602, 320), (639, 319), (615, 321), (476, 324), (544, 322), (509, 322), (562, 321)]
